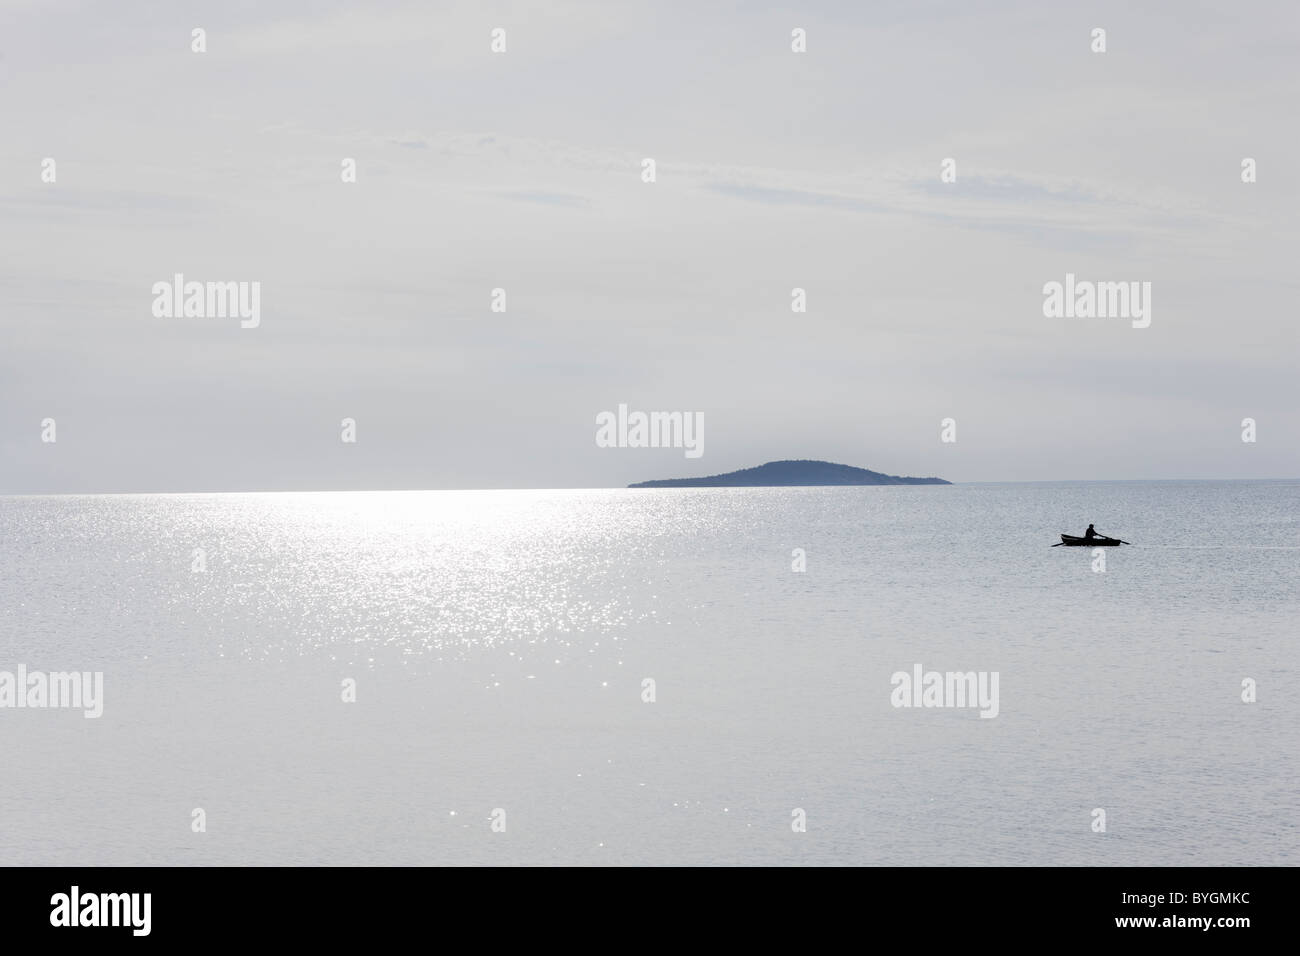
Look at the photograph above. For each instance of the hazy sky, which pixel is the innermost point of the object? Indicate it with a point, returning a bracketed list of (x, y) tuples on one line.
[(522, 171)]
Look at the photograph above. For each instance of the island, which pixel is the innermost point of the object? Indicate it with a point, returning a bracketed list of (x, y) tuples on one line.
[(786, 474)]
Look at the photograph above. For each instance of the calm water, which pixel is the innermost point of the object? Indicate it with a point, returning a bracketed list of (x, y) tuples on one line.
[(499, 641)]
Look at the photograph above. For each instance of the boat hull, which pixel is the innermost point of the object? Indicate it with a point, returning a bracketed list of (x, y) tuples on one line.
[(1077, 542)]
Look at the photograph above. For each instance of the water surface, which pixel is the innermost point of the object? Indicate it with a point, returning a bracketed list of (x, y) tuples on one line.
[(499, 641)]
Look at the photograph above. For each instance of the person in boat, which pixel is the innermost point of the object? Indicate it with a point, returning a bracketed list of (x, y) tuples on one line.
[(1091, 533)]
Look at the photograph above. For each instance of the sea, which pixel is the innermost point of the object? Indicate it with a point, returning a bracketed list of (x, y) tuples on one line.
[(656, 677)]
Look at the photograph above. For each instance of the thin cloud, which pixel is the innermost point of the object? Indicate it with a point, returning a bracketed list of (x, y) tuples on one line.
[(568, 200)]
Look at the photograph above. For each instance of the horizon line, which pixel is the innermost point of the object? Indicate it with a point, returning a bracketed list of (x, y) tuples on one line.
[(353, 491)]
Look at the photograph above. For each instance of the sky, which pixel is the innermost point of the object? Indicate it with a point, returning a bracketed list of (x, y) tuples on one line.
[(522, 170)]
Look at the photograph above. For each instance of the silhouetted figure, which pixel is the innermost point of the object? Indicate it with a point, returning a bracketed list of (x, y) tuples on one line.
[(1091, 533)]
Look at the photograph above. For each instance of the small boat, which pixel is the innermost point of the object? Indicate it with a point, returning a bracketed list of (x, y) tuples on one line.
[(1098, 542)]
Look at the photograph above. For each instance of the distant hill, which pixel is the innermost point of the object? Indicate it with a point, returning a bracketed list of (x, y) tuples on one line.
[(784, 474)]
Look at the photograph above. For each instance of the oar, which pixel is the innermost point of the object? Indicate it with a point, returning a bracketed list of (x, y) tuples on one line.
[(1120, 540), (1058, 544)]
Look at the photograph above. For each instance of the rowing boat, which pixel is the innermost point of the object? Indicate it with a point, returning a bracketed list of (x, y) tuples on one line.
[(1098, 542)]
